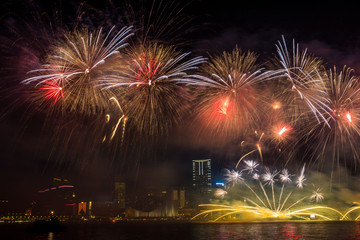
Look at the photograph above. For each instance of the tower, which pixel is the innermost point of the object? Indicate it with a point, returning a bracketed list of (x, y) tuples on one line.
[(120, 196), (202, 175)]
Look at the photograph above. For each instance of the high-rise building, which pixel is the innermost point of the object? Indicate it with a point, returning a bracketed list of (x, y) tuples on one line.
[(120, 196), (202, 175)]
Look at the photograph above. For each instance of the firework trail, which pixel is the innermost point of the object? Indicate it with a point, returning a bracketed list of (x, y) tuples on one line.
[(165, 22), (122, 118)]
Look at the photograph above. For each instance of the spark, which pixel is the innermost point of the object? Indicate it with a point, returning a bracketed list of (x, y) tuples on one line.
[(283, 130), (276, 105), (285, 176), (317, 195)]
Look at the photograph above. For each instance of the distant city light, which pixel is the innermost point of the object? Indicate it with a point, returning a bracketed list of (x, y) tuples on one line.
[(66, 186)]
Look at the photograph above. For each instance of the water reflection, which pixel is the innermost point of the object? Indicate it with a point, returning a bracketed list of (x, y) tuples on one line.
[(47, 236), (291, 232), (198, 231), (280, 230)]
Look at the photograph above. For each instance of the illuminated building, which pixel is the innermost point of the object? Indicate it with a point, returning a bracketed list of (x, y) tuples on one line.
[(179, 195), (82, 208), (201, 170)]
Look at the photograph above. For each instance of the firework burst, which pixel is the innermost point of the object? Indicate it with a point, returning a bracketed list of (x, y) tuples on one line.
[(77, 64), (154, 86), (250, 166), (317, 195), (303, 90), (220, 193), (337, 138), (228, 101), (233, 176)]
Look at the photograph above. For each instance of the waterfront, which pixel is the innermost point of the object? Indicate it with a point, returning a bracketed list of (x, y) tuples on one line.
[(200, 231)]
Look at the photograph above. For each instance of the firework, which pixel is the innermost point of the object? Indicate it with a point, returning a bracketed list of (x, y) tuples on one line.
[(261, 207), (228, 101), (285, 176), (233, 176), (161, 21), (220, 212), (250, 166), (317, 195), (269, 177), (321, 110), (301, 179), (122, 118), (149, 88), (220, 193), (303, 90), (76, 65), (153, 81), (337, 138)]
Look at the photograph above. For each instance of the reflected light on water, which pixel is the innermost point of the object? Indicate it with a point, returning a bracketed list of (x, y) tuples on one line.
[(51, 236), (289, 231)]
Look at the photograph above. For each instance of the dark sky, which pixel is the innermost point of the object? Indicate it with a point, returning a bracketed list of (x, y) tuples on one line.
[(326, 29)]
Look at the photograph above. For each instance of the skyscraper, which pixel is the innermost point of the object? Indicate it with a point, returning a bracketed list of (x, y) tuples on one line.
[(120, 196), (202, 175)]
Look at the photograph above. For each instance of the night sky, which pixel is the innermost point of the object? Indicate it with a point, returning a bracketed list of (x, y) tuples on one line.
[(27, 158)]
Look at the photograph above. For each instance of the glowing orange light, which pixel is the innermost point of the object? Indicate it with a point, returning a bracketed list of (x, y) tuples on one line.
[(224, 107), (348, 116), (276, 105)]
